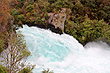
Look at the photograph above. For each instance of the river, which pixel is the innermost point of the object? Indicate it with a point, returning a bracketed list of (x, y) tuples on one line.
[(64, 54)]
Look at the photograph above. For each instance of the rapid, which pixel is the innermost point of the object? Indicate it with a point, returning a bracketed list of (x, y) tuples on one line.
[(63, 53)]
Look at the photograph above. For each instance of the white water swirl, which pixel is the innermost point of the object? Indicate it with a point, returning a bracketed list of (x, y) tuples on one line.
[(63, 53)]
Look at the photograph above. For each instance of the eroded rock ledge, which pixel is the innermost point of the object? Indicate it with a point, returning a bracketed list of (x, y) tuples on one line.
[(58, 19), (56, 22)]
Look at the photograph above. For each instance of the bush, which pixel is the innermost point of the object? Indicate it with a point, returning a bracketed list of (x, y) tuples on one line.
[(47, 71), (3, 40), (102, 14), (29, 8), (61, 4), (3, 69), (1, 45), (52, 1), (20, 24), (14, 12), (106, 8), (28, 14), (20, 3), (89, 30), (27, 70), (21, 17), (18, 52)]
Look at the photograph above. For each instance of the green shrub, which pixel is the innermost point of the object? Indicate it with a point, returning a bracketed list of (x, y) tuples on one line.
[(106, 8), (28, 14), (102, 14), (89, 30), (1, 45), (61, 4), (19, 52), (3, 40), (29, 8), (25, 70), (21, 16), (47, 71), (31, 2), (3, 69), (14, 12), (20, 24), (20, 3), (52, 1)]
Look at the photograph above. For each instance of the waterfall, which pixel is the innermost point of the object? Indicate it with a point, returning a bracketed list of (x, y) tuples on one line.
[(64, 54)]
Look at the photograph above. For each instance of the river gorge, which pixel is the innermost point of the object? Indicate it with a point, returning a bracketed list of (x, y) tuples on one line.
[(63, 53)]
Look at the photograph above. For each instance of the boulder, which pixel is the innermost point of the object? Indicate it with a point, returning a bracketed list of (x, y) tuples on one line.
[(58, 19)]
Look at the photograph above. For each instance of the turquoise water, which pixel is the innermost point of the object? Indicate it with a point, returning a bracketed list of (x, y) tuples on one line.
[(64, 54)]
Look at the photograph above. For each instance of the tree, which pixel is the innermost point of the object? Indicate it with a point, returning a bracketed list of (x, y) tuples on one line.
[(47, 71), (1, 44), (3, 41), (89, 30), (26, 70), (3, 69), (14, 57), (4, 12)]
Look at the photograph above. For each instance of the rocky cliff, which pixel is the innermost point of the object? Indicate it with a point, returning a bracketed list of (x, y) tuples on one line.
[(58, 19)]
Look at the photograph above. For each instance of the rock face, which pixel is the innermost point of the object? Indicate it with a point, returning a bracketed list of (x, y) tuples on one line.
[(58, 19)]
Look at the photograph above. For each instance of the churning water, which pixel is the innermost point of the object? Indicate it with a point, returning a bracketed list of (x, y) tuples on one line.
[(64, 54)]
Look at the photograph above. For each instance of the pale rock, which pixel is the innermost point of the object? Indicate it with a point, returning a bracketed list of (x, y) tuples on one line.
[(58, 19)]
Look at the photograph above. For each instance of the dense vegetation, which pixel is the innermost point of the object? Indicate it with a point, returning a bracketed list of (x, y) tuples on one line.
[(89, 30), (14, 57), (12, 45), (3, 69), (79, 14), (87, 20)]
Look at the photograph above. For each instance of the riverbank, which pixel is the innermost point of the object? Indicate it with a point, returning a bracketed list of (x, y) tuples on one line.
[(50, 27), (85, 20)]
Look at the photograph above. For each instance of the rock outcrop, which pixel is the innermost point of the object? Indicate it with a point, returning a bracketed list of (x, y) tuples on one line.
[(58, 19)]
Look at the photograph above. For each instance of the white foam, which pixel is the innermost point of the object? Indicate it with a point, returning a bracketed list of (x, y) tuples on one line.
[(64, 54)]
